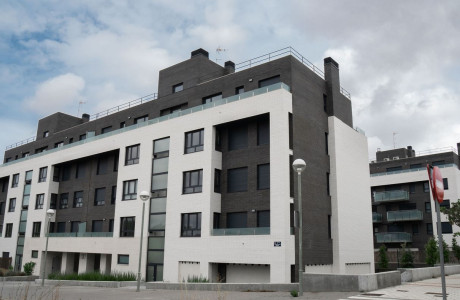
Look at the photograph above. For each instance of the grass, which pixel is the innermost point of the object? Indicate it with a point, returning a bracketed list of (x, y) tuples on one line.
[(197, 279), (95, 276)]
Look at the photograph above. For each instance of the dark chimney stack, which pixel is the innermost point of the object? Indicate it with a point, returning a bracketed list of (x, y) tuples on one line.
[(85, 118), (229, 67), (200, 52)]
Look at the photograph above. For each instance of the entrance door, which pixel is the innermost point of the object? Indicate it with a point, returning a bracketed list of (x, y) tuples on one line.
[(76, 262)]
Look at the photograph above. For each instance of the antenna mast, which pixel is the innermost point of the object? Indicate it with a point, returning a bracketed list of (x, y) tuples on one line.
[(219, 52), (80, 103), (394, 139)]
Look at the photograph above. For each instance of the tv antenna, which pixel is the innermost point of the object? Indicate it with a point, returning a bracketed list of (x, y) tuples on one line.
[(219, 52), (394, 139), (80, 103)]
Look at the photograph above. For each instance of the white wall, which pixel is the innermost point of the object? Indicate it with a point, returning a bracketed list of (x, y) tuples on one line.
[(248, 274)]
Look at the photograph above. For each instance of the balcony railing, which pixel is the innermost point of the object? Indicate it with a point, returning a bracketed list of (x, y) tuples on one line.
[(241, 231), (423, 169), (391, 196), (404, 215), (393, 237), (376, 217), (81, 234)]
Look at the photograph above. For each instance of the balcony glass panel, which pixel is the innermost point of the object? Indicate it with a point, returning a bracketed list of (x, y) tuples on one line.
[(376, 217), (404, 215), (81, 234), (391, 196), (393, 237), (241, 231)]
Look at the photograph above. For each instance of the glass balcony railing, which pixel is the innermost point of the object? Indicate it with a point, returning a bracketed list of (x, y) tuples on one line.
[(393, 237), (81, 234), (391, 196), (241, 231), (404, 215), (376, 217)]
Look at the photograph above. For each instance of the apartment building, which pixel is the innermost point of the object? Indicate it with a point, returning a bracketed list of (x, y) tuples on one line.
[(403, 210), (214, 149)]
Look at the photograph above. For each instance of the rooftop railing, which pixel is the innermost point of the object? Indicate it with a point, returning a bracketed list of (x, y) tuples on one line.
[(404, 215), (23, 142), (124, 106), (241, 231), (81, 234), (259, 91), (393, 237), (410, 170), (391, 196)]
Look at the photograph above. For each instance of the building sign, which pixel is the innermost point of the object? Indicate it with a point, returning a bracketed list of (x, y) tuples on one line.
[(277, 244)]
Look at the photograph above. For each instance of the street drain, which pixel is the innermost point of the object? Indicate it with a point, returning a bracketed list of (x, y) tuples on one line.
[(371, 294)]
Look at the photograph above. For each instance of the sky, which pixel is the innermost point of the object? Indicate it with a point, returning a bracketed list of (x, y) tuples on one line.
[(398, 59)]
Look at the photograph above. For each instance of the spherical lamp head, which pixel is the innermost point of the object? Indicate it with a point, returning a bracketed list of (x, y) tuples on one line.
[(144, 195), (299, 165), (50, 212)]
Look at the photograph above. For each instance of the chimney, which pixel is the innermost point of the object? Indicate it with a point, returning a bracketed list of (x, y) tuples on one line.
[(85, 118), (200, 52), (229, 67), (458, 148)]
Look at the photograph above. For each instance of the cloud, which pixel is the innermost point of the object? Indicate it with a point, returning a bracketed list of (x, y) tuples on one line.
[(57, 94)]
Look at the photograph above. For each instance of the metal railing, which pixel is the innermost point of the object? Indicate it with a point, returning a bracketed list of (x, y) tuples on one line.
[(393, 237), (124, 106), (410, 170), (405, 215), (390, 196), (23, 142), (81, 234), (376, 217), (241, 231)]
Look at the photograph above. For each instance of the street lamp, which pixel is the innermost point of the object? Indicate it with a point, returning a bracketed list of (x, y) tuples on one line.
[(299, 166), (49, 213), (144, 195)]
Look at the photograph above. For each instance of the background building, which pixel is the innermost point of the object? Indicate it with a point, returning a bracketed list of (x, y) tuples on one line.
[(214, 147)]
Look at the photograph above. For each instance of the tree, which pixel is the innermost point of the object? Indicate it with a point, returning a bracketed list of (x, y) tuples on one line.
[(431, 252), (445, 250), (456, 248), (383, 257), (453, 213), (407, 258)]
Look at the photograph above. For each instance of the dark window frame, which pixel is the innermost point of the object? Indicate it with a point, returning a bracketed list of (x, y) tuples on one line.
[(77, 199), (36, 229), (212, 98), (9, 230), (15, 180), (97, 201), (129, 190), (132, 155), (64, 201), (233, 185), (179, 87), (189, 142), (143, 118), (12, 205), (106, 129), (125, 226), (263, 181), (187, 186), (39, 201), (217, 181), (187, 228), (42, 174), (119, 259)]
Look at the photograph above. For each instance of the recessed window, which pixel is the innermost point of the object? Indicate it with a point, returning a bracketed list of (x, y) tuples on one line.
[(269, 81), (132, 155), (46, 134), (58, 144), (101, 165), (74, 226), (412, 187), (173, 109), (53, 201), (328, 187), (34, 254), (239, 90), (438, 163), (194, 141), (12, 205), (9, 230), (127, 226), (193, 181), (64, 201), (36, 228), (106, 129), (416, 166), (130, 190), (26, 154), (326, 143), (96, 226), (238, 137), (212, 98), (393, 169), (263, 218), (99, 197), (429, 228), (82, 137), (42, 173), (123, 259), (426, 187), (66, 170), (78, 199), (428, 207), (141, 119), (217, 180), (263, 132), (263, 176), (40, 199), (446, 183), (122, 124), (178, 87), (80, 170), (415, 228), (191, 225), (15, 181), (2, 208), (42, 149), (111, 221), (446, 227), (237, 180), (445, 204), (70, 140), (61, 226), (114, 195), (237, 220)]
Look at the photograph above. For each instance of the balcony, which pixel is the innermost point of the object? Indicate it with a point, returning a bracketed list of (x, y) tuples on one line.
[(376, 217), (391, 196), (405, 215), (81, 234), (393, 237), (241, 231)]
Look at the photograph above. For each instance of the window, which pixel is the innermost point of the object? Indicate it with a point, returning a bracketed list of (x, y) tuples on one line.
[(80, 170), (191, 225), (127, 225), (412, 187), (173, 109), (122, 124), (178, 87), (96, 226), (328, 189), (42, 174), (407, 206), (66, 172), (123, 259), (429, 228), (99, 197), (160, 165), (238, 137), (114, 195), (9, 230), (26, 154), (237, 180), (34, 254), (70, 140), (111, 225), (237, 220), (132, 155), (325, 102), (239, 90), (263, 132), (141, 119), (428, 207), (426, 187), (53, 201), (263, 218), (393, 169), (193, 181), (64, 201), (438, 163), (217, 174), (106, 129), (40, 199), (36, 228), (56, 174), (269, 81), (40, 150), (58, 144), (329, 227), (46, 134), (212, 98), (218, 144), (446, 183), (194, 141), (216, 221), (130, 190), (15, 181), (61, 226), (12, 205), (101, 165), (2, 208), (416, 166), (446, 227), (74, 226), (82, 137), (415, 228), (115, 162), (445, 204), (78, 199), (263, 177)]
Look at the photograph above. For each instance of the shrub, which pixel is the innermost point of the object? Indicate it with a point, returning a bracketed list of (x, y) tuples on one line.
[(95, 276), (456, 248), (29, 268), (445, 251), (197, 279), (432, 253), (294, 293), (383, 257), (407, 258)]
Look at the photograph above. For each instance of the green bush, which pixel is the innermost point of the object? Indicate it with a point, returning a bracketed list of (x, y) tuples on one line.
[(29, 268), (294, 293), (431, 251), (407, 258), (95, 276), (197, 279), (445, 251), (383, 257), (456, 248)]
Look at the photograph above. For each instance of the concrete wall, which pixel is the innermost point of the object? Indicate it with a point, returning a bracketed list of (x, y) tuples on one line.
[(411, 275), (248, 274)]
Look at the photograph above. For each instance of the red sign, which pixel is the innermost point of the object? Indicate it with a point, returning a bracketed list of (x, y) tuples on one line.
[(436, 183)]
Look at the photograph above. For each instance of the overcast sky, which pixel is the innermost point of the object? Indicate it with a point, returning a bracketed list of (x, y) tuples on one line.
[(398, 59)]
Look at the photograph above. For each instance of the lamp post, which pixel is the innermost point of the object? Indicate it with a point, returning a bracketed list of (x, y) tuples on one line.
[(144, 196), (299, 166), (49, 213)]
